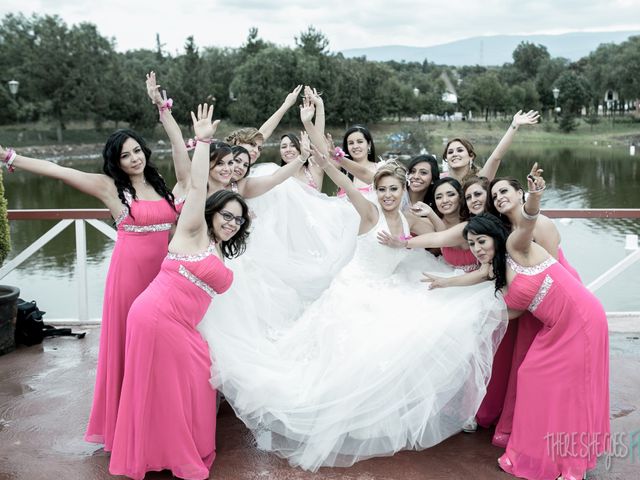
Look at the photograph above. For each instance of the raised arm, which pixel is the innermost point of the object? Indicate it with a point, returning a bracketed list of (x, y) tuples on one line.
[(421, 209), (191, 224), (255, 186), (470, 278), (363, 172), (452, 237), (270, 125), (94, 184), (181, 161), (367, 210), (312, 95), (490, 168), (522, 236)]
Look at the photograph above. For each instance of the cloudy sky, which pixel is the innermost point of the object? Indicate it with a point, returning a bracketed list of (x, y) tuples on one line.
[(347, 23)]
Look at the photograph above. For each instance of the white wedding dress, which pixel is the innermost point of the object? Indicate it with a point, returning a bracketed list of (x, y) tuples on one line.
[(376, 365)]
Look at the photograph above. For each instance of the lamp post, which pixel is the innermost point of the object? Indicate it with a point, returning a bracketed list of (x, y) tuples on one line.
[(13, 87), (556, 109)]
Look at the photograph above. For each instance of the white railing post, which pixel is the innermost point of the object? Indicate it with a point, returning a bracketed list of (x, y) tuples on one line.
[(81, 270)]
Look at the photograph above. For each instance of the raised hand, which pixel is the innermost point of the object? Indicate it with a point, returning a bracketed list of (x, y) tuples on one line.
[(529, 118), (153, 89), (535, 181), (202, 125), (313, 96), (305, 145), (307, 110), (292, 98), (385, 238), (421, 209)]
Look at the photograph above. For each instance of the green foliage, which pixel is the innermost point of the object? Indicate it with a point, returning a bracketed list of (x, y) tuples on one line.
[(567, 122), (312, 42), (527, 59), (5, 240)]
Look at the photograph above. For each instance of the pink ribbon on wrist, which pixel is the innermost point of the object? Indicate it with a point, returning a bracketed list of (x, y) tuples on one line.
[(9, 158), (166, 105), (338, 154)]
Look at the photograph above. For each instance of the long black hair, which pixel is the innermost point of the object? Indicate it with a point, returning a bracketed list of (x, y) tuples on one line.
[(111, 167), (490, 225), (296, 144), (237, 244), (435, 176), (237, 150)]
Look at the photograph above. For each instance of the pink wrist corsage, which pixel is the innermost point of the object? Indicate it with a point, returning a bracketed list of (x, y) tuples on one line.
[(338, 154)]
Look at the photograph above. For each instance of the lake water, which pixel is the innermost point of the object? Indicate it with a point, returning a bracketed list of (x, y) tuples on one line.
[(596, 177)]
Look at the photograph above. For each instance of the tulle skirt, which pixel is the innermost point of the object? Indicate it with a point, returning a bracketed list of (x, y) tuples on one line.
[(376, 365)]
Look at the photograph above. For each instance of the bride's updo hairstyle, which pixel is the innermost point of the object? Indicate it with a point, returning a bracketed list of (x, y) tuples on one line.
[(391, 168)]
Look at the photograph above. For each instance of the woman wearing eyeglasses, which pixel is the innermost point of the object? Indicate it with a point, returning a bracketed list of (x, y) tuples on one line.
[(166, 417), (358, 374)]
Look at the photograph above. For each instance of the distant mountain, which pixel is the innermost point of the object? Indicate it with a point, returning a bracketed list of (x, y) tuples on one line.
[(492, 50)]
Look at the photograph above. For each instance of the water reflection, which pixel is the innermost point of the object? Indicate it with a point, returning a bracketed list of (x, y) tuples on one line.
[(583, 177)]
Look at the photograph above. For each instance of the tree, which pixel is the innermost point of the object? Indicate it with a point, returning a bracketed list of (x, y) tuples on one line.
[(527, 59), (312, 42)]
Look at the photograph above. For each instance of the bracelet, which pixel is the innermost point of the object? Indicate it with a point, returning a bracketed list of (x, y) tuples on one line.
[(538, 190), (9, 158), (514, 126), (166, 105), (338, 154), (208, 141), (528, 216)]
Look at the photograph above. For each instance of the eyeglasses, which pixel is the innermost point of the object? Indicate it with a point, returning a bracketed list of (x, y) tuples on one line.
[(228, 216)]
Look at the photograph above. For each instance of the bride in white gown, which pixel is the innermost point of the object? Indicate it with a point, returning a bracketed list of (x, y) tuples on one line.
[(377, 364)]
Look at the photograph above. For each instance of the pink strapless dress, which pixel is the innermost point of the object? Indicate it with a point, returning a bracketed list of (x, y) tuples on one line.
[(561, 415), (460, 258), (166, 418), (526, 327), (141, 245)]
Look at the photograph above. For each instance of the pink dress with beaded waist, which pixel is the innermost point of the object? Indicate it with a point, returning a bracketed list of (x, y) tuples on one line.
[(166, 418), (141, 245), (563, 382)]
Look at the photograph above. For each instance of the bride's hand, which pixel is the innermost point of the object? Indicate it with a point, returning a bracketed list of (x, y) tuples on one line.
[(421, 209), (385, 238), (434, 281)]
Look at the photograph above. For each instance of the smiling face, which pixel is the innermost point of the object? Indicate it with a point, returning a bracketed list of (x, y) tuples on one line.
[(447, 199), (482, 246), (254, 148), (357, 146), (476, 198), (389, 190), (457, 156), (505, 197), (132, 159), (225, 228), (222, 170), (240, 166), (420, 177), (288, 150)]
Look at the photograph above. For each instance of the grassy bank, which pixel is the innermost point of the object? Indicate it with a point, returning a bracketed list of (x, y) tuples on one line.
[(80, 136)]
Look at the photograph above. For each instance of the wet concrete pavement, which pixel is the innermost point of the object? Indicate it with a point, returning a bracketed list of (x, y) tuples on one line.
[(45, 397)]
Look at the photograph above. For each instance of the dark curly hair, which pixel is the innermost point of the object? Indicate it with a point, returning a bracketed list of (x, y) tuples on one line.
[(237, 244), (111, 167), (490, 225), (435, 175)]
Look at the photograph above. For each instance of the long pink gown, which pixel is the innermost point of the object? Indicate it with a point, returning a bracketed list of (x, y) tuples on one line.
[(166, 418), (526, 327), (561, 414), (140, 247), (491, 406)]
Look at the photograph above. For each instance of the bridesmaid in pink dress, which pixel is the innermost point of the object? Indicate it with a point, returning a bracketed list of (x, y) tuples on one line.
[(507, 200), (166, 418), (144, 210), (563, 382)]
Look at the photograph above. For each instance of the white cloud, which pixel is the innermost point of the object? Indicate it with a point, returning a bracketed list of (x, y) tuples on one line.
[(347, 24)]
